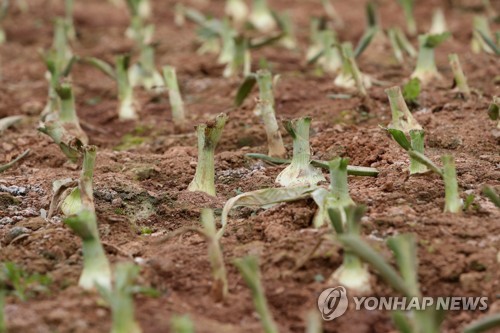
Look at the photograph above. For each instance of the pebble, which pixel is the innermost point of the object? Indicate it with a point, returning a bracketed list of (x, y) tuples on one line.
[(14, 190), (14, 233)]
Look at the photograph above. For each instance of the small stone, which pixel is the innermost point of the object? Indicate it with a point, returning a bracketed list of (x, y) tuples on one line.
[(14, 233)]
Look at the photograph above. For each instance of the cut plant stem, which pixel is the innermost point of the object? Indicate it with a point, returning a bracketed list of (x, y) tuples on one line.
[(220, 285), (208, 136), (402, 119), (70, 27), (267, 112), (96, 269), (459, 76), (331, 61), (121, 300), (408, 12), (261, 17), (249, 269), (352, 274), (300, 171), (494, 110), (67, 112), (438, 22), (237, 11), (426, 70), (417, 144), (176, 103), (350, 76), (127, 106), (453, 203)]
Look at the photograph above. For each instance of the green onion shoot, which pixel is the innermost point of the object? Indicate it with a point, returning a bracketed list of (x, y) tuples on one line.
[(249, 269), (402, 118), (453, 203), (494, 110), (426, 70), (438, 25), (482, 38), (459, 76), (350, 75), (331, 59), (237, 11), (96, 269), (144, 72), (175, 98), (411, 24), (261, 17), (67, 112), (68, 17), (300, 171), (181, 324), (208, 136), (353, 273), (121, 298)]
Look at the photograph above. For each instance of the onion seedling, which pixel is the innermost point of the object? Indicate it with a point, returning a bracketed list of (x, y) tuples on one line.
[(140, 11), (288, 41), (208, 136), (492, 194), (438, 25), (353, 273), (350, 75), (484, 324), (4, 8), (265, 106), (300, 171), (68, 17), (176, 103), (494, 110), (453, 203), (144, 72), (332, 13), (96, 269), (416, 144), (120, 298), (426, 70), (400, 44), (330, 57), (67, 113), (181, 324), (373, 35), (237, 11), (482, 38), (408, 6), (314, 39), (249, 269), (459, 77), (261, 17), (240, 60), (127, 107), (338, 195)]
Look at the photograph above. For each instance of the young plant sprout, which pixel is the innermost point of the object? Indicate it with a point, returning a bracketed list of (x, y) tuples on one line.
[(120, 298), (181, 324), (416, 144), (96, 269), (288, 41), (438, 25), (144, 73), (331, 59), (459, 77), (426, 70), (249, 269), (484, 324), (67, 113), (208, 136), (408, 6), (494, 111), (237, 11), (332, 13), (261, 17), (176, 103), (265, 106), (4, 8), (400, 44), (240, 60), (300, 171), (70, 27), (374, 35), (228, 48), (453, 203), (492, 194), (315, 41), (353, 273), (482, 38), (350, 76), (337, 197)]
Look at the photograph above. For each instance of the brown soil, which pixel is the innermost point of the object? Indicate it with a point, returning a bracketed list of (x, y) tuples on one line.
[(145, 184)]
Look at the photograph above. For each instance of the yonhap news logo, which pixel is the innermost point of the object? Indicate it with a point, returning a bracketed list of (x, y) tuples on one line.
[(333, 303)]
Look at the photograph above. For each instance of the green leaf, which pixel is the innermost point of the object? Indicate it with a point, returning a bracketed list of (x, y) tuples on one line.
[(365, 41), (411, 90), (482, 325), (400, 138), (434, 40), (245, 89), (490, 42), (102, 66), (490, 192)]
